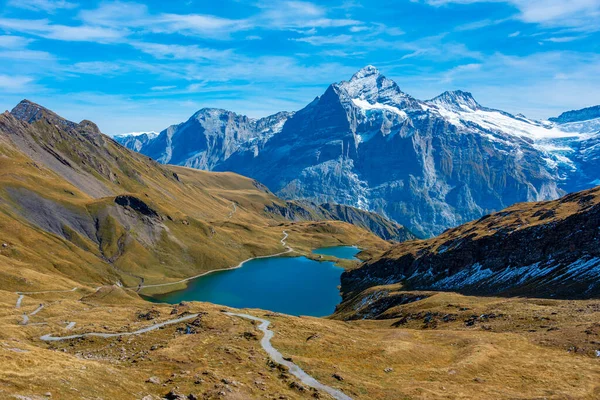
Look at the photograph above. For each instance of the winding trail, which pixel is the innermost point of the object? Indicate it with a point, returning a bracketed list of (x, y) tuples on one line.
[(22, 294), (293, 368), (50, 338), (283, 243), (233, 211), (19, 300), (26, 316)]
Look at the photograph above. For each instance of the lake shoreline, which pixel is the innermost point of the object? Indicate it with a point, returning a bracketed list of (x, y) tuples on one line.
[(295, 285)]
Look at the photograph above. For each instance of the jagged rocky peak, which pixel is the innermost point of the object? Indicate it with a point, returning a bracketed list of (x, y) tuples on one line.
[(369, 85), (31, 112), (584, 114), (456, 100), (208, 113)]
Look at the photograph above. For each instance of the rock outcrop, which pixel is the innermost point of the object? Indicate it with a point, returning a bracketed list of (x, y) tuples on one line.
[(548, 249)]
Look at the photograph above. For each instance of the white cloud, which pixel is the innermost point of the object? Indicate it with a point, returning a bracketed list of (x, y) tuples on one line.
[(13, 42), (284, 15), (180, 52), (298, 15), (564, 39), (539, 85), (325, 40), (103, 68), (15, 48), (49, 6), (581, 14), (162, 88), (15, 84), (43, 28)]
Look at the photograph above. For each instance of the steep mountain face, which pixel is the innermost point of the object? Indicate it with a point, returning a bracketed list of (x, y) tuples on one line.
[(79, 209), (585, 114), (210, 137), (136, 141), (547, 249), (308, 211), (428, 165)]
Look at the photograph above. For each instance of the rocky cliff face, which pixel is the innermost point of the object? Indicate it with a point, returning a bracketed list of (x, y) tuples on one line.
[(429, 165), (584, 114), (210, 137), (136, 141), (308, 211), (548, 249)]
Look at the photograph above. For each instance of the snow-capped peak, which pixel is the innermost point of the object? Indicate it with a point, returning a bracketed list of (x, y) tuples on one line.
[(364, 72), (369, 85), (456, 100), (150, 134)]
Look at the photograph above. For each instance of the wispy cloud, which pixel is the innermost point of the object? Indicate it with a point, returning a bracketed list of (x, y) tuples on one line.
[(581, 14), (180, 52), (49, 6), (325, 40), (45, 29), (15, 84), (15, 48), (564, 39), (282, 15)]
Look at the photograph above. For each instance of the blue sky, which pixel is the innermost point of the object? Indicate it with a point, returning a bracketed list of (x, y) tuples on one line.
[(136, 66)]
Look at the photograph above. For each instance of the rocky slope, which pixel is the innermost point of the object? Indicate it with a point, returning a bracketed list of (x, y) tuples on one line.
[(428, 165), (307, 211), (547, 249), (78, 208)]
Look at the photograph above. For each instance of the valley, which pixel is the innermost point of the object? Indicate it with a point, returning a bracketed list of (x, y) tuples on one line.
[(91, 229), (300, 199)]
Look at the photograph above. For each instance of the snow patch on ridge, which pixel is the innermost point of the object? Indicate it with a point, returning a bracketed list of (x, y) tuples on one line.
[(151, 134), (497, 121), (366, 106)]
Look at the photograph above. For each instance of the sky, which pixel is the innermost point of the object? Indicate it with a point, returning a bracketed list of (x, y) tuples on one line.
[(141, 66)]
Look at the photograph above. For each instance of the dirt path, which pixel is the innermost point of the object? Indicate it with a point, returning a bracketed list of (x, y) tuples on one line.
[(26, 316), (50, 338), (293, 368), (22, 294), (233, 211)]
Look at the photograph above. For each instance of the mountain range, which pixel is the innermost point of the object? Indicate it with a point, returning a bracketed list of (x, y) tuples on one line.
[(428, 165)]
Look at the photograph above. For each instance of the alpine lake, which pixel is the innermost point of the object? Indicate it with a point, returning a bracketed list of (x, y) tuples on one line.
[(289, 285)]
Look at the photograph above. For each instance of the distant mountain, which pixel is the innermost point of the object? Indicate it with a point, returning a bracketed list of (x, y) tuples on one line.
[(209, 138), (584, 114), (308, 211), (135, 141), (546, 249), (429, 165)]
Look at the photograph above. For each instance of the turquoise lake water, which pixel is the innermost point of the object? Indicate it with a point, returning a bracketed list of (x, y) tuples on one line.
[(290, 285), (347, 252)]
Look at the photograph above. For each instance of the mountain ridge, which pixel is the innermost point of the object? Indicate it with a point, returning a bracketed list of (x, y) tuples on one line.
[(428, 165), (536, 250)]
